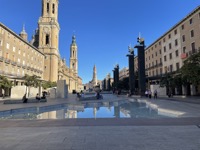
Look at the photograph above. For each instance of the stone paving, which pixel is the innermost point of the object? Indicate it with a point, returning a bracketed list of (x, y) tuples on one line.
[(104, 134)]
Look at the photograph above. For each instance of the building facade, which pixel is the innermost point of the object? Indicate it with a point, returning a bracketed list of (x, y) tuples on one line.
[(168, 53), (41, 55)]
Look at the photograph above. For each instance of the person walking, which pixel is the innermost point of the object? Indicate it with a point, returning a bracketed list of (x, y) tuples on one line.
[(155, 94), (3, 93), (149, 94)]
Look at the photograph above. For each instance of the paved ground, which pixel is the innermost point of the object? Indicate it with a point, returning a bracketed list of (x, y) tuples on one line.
[(181, 133)]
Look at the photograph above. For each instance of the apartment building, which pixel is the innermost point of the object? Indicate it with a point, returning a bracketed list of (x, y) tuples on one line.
[(168, 53), (18, 57)]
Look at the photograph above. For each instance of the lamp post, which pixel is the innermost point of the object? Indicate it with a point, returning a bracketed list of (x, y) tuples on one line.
[(131, 70)]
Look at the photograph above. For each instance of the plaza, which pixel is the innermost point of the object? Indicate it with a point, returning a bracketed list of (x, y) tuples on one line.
[(180, 133)]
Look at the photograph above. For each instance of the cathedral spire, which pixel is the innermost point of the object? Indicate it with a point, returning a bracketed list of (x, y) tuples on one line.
[(23, 33)]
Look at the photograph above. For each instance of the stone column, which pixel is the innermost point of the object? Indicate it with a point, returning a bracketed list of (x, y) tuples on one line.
[(141, 66), (131, 71)]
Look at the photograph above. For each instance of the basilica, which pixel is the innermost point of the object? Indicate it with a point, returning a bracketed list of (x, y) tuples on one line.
[(40, 56)]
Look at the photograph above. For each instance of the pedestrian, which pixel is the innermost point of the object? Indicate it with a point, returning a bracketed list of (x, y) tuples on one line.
[(3, 93), (149, 94), (37, 97), (155, 94), (146, 93)]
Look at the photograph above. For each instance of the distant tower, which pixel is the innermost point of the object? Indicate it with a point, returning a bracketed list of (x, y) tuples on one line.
[(48, 38), (94, 79), (73, 55), (23, 34)]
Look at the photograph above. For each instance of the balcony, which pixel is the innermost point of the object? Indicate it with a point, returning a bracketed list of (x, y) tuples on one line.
[(183, 55), (1, 58), (24, 66), (7, 60), (13, 63), (18, 64)]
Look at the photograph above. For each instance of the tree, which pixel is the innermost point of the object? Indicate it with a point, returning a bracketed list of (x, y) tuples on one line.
[(5, 83), (31, 81), (190, 71), (48, 84)]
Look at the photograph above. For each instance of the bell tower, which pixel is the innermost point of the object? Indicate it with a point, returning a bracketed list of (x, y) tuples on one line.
[(73, 55), (48, 38)]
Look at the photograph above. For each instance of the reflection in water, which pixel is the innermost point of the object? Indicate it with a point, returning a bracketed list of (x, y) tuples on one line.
[(120, 109)]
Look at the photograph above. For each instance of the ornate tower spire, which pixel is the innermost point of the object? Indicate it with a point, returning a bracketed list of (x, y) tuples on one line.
[(73, 55), (48, 38), (23, 34)]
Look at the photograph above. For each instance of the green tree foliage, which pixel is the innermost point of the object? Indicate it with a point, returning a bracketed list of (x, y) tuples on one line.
[(31, 81), (48, 84), (5, 83), (190, 71)]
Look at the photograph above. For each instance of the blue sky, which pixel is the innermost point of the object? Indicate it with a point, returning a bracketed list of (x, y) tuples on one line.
[(103, 28)]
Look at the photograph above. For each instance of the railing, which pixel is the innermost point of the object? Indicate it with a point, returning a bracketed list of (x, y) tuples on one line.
[(1, 58), (7, 60)]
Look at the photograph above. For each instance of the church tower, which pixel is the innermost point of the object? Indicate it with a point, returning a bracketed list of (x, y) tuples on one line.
[(94, 80), (48, 38), (73, 55)]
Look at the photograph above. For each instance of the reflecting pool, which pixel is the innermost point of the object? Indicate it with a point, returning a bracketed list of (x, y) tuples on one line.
[(119, 109)]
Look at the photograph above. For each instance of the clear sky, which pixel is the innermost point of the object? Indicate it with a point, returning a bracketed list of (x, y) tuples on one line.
[(103, 28)]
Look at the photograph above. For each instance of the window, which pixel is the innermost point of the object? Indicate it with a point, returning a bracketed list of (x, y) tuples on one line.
[(156, 53), (1, 42), (170, 45), (159, 43), (160, 51), (193, 47), (160, 60), (160, 70), (177, 66), (47, 39), (176, 53), (47, 7), (191, 21), (165, 58), (175, 32), (192, 33), (7, 45), (169, 36), (163, 39), (182, 27), (170, 68), (176, 42), (152, 55), (164, 49), (53, 8), (170, 56), (184, 49), (183, 38)]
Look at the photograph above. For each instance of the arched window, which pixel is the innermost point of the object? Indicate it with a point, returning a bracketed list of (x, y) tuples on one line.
[(53, 8), (47, 7), (47, 39)]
